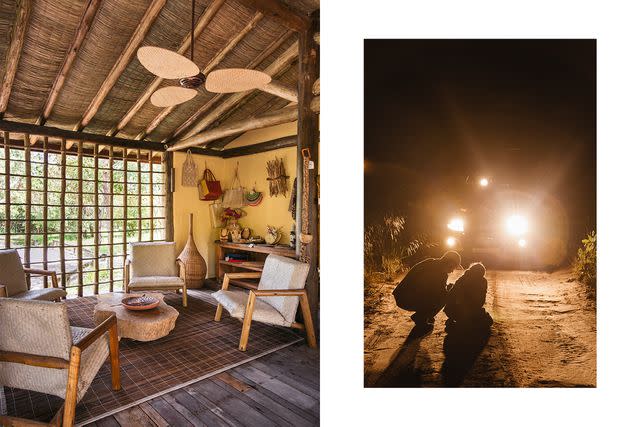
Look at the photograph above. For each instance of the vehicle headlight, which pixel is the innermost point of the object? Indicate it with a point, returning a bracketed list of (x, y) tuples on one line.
[(456, 224), (517, 225)]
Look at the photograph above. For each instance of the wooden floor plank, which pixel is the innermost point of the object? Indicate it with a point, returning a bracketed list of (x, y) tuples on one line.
[(212, 406), (181, 399), (304, 413), (302, 366), (288, 377), (273, 410), (171, 416), (107, 422), (289, 393), (239, 410), (134, 416), (153, 414)]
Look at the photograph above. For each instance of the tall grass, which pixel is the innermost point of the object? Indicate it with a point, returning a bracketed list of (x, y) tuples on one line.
[(386, 246)]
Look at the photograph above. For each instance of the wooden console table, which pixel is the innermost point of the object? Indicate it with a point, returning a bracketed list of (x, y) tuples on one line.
[(258, 253)]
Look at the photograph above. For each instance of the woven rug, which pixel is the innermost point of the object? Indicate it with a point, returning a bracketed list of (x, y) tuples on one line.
[(197, 348)]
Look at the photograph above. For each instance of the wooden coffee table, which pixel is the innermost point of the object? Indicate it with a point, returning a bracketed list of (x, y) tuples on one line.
[(147, 325)]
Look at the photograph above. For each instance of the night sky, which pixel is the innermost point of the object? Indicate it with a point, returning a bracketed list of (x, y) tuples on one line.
[(520, 111)]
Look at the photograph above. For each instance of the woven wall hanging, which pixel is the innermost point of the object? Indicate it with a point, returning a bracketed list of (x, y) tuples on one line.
[(277, 177)]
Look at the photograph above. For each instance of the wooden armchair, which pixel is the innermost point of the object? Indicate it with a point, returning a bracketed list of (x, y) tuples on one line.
[(276, 300), (13, 281), (36, 335), (153, 266)]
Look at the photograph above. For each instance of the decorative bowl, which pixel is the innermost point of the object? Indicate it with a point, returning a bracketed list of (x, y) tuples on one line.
[(140, 302)]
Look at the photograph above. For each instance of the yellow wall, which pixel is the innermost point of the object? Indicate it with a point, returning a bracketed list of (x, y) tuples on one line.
[(185, 201), (252, 171)]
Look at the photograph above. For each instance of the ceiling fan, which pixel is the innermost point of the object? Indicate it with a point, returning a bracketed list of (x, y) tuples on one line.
[(167, 64)]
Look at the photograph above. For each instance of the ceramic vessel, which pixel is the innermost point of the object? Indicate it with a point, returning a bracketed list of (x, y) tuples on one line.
[(273, 235)]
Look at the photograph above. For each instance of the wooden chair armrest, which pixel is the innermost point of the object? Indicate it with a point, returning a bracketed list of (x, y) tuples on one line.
[(228, 276), (97, 332), (251, 275), (40, 272), (279, 292), (3, 291)]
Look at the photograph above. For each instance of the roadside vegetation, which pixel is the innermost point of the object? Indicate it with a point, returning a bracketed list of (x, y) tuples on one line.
[(386, 247), (584, 265)]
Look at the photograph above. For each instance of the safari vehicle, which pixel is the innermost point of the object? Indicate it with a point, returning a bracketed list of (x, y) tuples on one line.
[(505, 227)]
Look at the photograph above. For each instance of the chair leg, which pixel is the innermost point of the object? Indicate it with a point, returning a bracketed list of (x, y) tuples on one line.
[(184, 295), (218, 315), (308, 321), (114, 356), (246, 324), (71, 396)]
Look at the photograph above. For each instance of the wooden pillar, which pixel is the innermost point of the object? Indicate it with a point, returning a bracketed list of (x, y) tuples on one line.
[(168, 201), (308, 137)]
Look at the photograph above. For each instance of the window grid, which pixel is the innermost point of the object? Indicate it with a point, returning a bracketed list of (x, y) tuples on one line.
[(111, 200)]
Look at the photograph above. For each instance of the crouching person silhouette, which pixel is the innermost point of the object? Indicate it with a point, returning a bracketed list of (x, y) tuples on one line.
[(423, 289), (465, 301)]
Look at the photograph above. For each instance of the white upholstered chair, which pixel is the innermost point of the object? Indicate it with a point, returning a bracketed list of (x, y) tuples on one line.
[(153, 266), (40, 351), (13, 282), (280, 290)]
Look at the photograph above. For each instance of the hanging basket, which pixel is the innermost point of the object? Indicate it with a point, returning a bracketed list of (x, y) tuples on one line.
[(234, 196), (189, 171)]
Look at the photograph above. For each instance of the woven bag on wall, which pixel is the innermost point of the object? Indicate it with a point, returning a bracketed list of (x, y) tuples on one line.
[(189, 171), (234, 196)]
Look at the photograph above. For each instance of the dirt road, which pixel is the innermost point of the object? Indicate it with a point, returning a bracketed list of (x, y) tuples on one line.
[(544, 335)]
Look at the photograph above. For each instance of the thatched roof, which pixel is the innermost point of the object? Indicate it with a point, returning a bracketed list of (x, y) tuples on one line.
[(51, 30)]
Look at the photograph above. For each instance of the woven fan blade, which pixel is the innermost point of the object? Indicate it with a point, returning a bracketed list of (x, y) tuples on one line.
[(235, 80), (172, 95), (166, 63)]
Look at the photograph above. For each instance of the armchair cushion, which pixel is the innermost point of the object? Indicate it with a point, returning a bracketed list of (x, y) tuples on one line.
[(153, 259), (235, 302), (46, 294), (283, 273), (155, 282), (12, 272)]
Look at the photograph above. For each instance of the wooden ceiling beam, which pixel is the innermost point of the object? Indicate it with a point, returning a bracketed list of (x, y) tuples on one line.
[(14, 52), (282, 12), (89, 13), (274, 144), (209, 104), (206, 70), (275, 67), (220, 144), (281, 90), (203, 22), (123, 60), (49, 131), (271, 118)]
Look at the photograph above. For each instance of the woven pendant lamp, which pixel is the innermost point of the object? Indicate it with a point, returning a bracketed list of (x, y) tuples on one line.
[(195, 266)]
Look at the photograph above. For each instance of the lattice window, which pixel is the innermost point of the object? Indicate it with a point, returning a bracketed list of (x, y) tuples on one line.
[(75, 208)]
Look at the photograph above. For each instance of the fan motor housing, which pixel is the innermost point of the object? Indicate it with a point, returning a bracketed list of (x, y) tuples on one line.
[(193, 81)]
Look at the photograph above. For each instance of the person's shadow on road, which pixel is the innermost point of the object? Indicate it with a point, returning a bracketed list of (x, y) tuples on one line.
[(401, 371), (462, 346)]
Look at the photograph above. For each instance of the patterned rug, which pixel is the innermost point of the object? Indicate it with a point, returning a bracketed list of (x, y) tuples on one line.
[(197, 348)]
